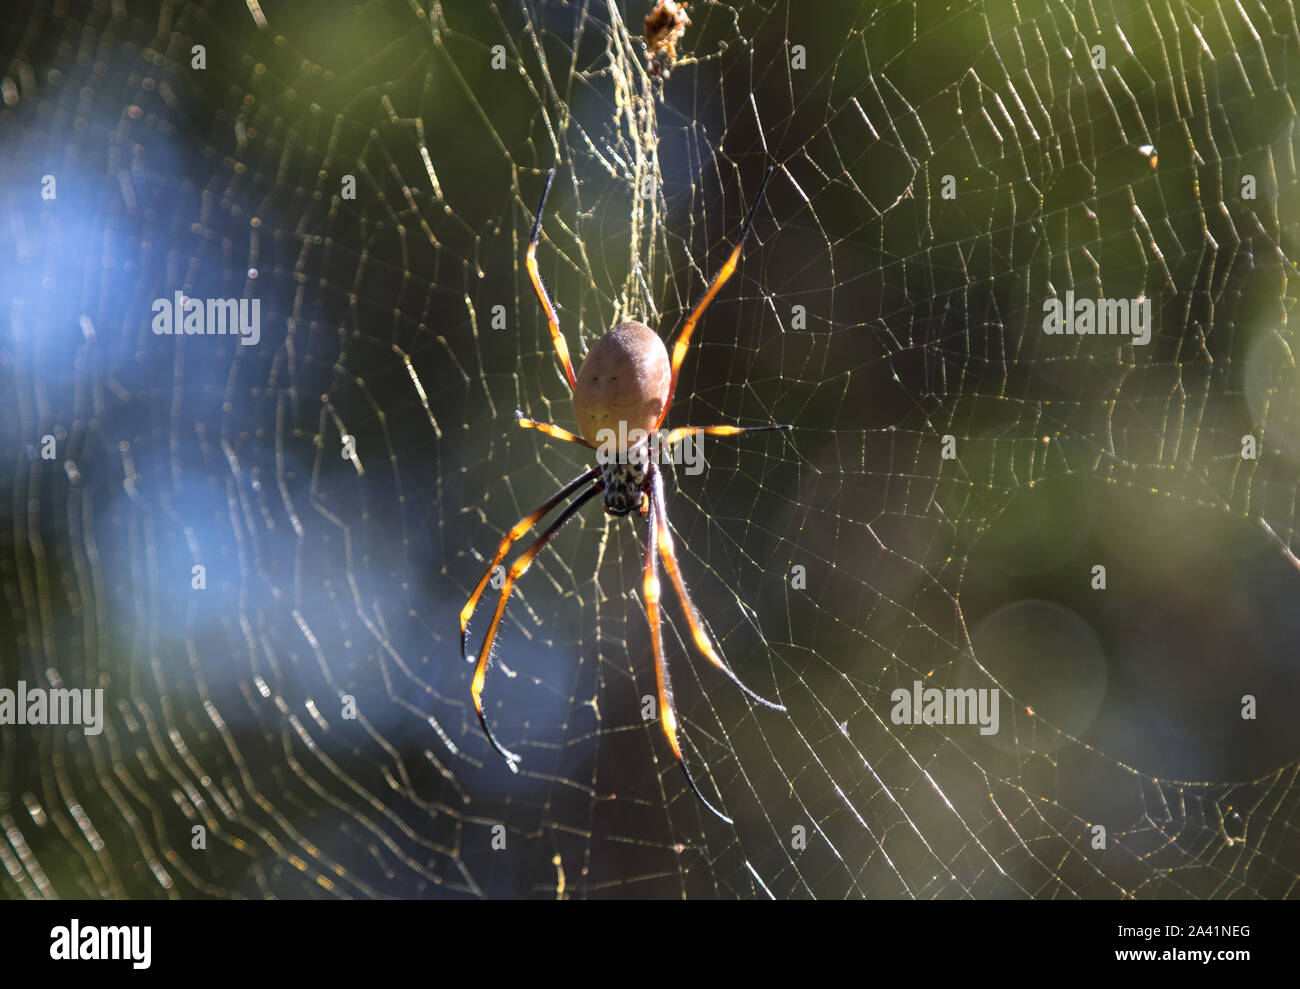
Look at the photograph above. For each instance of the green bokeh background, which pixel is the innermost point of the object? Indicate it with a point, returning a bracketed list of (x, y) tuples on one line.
[(923, 320)]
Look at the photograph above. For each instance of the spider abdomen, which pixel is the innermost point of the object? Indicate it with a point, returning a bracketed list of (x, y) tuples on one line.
[(623, 384)]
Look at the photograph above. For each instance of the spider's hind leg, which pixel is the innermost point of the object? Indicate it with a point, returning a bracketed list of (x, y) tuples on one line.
[(729, 266), (535, 276)]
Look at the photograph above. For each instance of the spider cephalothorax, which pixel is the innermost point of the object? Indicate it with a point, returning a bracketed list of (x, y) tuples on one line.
[(621, 397), (623, 483)]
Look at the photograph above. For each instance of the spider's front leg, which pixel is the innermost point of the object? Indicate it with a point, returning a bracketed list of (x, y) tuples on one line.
[(517, 570), (702, 641), (667, 712), (516, 532)]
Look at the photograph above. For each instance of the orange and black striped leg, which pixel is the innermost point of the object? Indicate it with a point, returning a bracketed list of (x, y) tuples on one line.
[(530, 262), (702, 641), (726, 271), (553, 431), (517, 570), (667, 713), (681, 432), (519, 528)]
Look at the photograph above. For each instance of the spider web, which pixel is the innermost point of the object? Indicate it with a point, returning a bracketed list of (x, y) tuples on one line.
[(833, 564)]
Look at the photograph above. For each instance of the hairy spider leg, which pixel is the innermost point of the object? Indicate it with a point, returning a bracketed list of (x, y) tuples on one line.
[(517, 570), (550, 429), (680, 433), (702, 640), (515, 533), (667, 712), (684, 338), (561, 348)]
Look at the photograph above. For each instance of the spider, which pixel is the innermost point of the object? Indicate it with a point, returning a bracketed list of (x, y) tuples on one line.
[(624, 388)]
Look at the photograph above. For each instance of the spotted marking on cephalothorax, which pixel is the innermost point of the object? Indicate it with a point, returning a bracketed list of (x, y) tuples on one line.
[(622, 483)]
